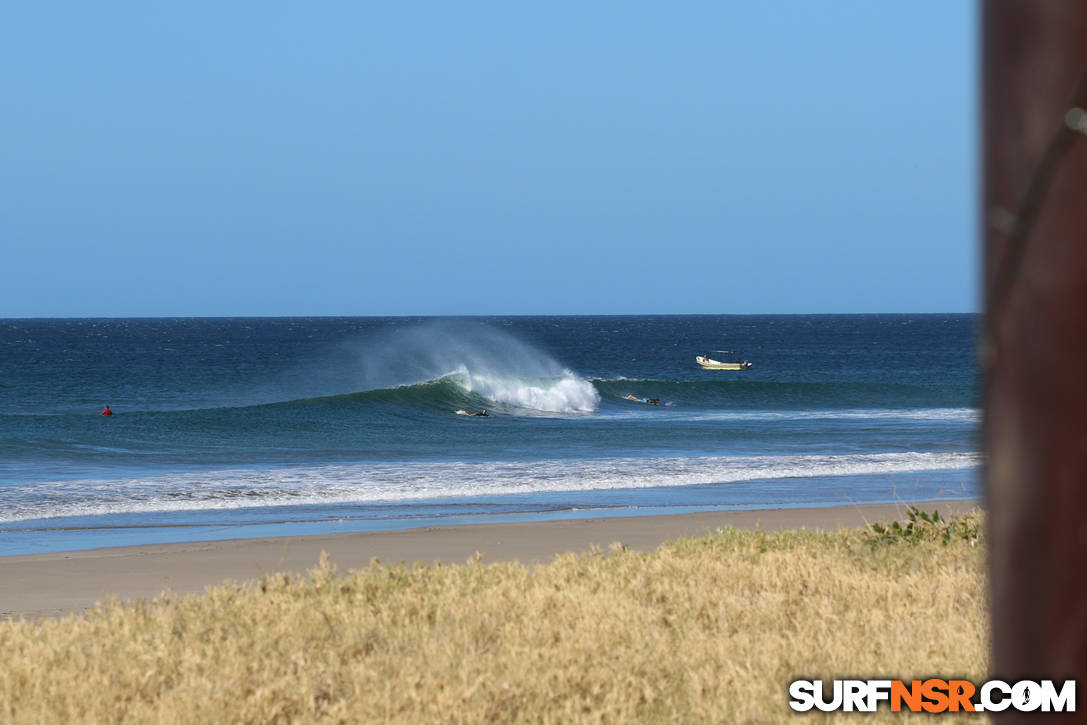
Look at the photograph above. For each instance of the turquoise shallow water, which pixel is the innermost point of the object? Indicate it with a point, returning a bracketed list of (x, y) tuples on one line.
[(251, 427)]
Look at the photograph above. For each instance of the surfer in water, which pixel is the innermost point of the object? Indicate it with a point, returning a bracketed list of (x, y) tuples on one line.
[(647, 401), (480, 414), (107, 411)]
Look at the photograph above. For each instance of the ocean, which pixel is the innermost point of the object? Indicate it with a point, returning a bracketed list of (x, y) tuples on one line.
[(248, 427)]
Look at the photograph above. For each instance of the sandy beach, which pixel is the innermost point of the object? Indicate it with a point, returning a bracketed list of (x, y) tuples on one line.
[(42, 585)]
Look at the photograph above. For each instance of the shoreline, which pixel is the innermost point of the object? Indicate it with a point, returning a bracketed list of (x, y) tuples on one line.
[(54, 584)]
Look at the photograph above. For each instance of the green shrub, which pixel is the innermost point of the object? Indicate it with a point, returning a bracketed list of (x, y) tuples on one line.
[(921, 526)]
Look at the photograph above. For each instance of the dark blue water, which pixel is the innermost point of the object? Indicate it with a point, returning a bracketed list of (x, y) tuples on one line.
[(251, 427)]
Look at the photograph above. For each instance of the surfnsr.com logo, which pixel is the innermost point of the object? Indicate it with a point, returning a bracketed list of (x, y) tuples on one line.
[(932, 695)]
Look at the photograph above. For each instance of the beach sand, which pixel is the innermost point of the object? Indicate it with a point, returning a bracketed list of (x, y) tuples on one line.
[(42, 585)]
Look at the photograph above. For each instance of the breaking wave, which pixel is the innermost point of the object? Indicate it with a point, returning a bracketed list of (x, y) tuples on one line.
[(376, 482)]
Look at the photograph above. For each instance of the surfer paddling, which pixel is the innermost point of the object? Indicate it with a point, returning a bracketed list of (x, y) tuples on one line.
[(647, 401)]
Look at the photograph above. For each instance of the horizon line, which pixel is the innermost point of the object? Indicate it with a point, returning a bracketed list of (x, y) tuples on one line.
[(474, 315)]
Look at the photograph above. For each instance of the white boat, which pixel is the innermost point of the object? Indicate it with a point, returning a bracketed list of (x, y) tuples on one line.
[(719, 361)]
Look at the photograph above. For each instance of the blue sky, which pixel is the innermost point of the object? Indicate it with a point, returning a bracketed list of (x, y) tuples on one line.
[(350, 158)]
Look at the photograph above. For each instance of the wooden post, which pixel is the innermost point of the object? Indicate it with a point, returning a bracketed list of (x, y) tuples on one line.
[(1034, 351)]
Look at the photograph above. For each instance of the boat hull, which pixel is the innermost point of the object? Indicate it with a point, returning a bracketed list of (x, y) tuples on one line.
[(708, 364)]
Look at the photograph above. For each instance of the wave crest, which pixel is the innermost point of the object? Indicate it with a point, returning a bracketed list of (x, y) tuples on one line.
[(566, 393), (482, 361)]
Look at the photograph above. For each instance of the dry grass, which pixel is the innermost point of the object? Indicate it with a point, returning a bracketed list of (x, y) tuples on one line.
[(702, 630)]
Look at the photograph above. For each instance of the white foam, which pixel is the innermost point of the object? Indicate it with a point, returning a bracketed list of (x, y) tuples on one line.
[(949, 415), (566, 393), (481, 359), (371, 483)]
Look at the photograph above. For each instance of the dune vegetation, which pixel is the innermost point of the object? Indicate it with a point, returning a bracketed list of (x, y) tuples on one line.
[(701, 630)]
